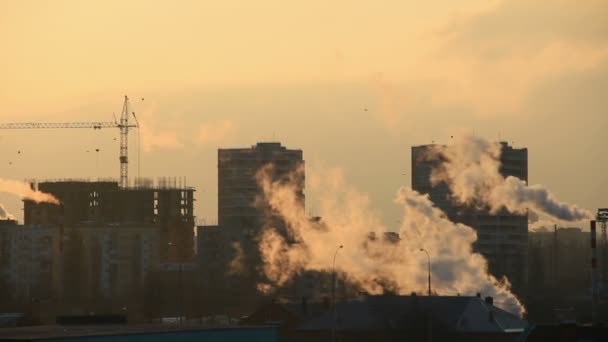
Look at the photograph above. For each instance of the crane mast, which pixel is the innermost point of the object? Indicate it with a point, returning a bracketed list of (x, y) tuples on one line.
[(124, 142), (123, 125)]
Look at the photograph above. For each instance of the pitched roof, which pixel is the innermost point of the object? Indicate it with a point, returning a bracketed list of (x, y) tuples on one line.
[(459, 314)]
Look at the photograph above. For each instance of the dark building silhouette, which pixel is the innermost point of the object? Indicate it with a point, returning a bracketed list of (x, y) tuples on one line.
[(167, 206), (502, 237), (26, 267), (393, 318), (238, 188), (560, 276), (228, 253)]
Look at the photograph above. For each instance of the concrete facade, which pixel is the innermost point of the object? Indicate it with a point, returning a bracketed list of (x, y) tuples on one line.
[(26, 260), (167, 205), (105, 261), (502, 237), (231, 264), (237, 185), (560, 275)]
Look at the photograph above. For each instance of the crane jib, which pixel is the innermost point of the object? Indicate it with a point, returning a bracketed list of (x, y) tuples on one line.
[(34, 125), (123, 125)]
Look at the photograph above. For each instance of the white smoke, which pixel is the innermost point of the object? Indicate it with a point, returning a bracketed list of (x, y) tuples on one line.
[(348, 220), (4, 214), (237, 263), (470, 166), (24, 190)]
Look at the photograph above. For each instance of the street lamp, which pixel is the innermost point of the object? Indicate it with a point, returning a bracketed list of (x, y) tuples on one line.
[(429, 259), (333, 293), (333, 273)]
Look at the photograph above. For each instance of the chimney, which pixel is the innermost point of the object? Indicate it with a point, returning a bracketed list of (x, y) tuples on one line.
[(489, 300)]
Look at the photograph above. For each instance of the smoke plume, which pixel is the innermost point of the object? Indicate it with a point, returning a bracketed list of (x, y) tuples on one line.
[(24, 190), (237, 263), (372, 263), (4, 214), (471, 168)]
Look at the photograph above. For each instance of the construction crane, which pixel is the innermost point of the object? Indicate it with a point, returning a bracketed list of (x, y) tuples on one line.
[(123, 125)]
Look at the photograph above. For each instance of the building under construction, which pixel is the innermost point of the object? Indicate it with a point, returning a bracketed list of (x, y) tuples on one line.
[(167, 205)]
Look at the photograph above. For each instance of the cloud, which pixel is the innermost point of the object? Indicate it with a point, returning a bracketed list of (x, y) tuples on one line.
[(155, 131), (153, 138), (492, 60), (215, 132), (489, 63)]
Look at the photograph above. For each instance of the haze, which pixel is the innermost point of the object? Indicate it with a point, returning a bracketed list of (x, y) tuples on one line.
[(352, 83)]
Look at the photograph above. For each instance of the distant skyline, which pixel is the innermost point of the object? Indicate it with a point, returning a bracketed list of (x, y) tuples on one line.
[(353, 84)]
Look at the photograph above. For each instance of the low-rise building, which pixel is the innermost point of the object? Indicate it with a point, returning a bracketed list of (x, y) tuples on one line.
[(393, 318), (560, 275)]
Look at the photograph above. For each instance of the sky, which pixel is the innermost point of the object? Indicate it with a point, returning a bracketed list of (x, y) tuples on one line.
[(354, 84)]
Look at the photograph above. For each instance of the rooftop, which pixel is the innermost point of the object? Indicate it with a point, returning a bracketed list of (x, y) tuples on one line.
[(71, 331), (137, 184), (454, 313)]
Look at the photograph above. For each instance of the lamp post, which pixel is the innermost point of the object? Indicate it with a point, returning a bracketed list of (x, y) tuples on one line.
[(333, 274), (333, 293), (429, 269)]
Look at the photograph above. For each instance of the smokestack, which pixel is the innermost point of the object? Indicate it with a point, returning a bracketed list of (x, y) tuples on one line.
[(593, 274)]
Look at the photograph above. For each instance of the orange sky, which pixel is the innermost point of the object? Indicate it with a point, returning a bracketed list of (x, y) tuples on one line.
[(231, 73)]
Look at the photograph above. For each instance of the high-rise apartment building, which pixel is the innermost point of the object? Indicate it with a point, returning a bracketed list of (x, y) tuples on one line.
[(26, 261), (229, 252), (102, 263), (501, 237), (238, 187), (80, 268)]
